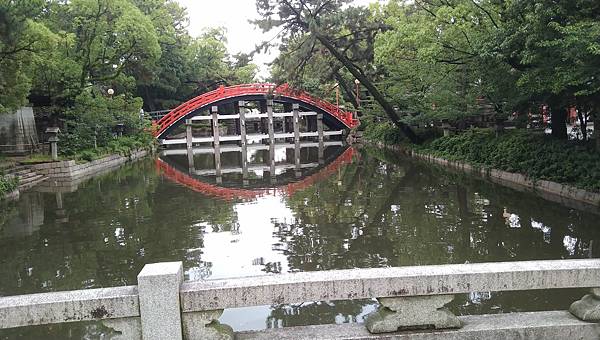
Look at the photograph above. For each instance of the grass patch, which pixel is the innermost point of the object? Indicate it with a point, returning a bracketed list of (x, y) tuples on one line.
[(38, 158)]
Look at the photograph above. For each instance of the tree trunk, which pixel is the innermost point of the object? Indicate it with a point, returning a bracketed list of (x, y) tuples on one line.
[(582, 123), (387, 107), (559, 122)]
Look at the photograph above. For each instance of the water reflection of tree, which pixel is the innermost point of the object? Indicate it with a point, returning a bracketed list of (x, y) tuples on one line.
[(117, 223), (390, 211), (315, 313)]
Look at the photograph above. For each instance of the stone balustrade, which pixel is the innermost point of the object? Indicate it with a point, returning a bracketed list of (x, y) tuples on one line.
[(412, 299)]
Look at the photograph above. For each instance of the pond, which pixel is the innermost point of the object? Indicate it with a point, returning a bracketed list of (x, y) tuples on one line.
[(340, 208)]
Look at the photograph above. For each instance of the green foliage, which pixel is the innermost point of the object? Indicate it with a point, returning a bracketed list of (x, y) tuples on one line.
[(390, 134), (441, 59), (22, 41), (123, 146), (94, 116), (537, 156), (7, 185), (52, 52), (36, 158), (384, 132)]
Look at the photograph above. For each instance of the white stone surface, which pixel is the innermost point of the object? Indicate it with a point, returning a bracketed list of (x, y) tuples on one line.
[(205, 325), (128, 328), (72, 306), (388, 282), (556, 325), (412, 312), (158, 286)]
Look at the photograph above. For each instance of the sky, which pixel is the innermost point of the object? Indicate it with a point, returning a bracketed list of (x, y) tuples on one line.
[(242, 36)]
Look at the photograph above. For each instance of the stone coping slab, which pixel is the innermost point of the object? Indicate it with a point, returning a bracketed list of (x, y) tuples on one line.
[(388, 282), (557, 325), (69, 306)]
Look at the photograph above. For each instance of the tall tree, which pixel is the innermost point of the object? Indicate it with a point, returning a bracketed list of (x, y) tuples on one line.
[(555, 47), (319, 22), (22, 40)]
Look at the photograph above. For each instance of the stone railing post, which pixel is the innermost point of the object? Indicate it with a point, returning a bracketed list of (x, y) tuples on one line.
[(158, 288)]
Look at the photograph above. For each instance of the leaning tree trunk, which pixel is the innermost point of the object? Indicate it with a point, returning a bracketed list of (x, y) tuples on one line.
[(387, 107)]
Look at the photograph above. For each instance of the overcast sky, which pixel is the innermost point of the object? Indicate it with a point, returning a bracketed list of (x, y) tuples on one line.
[(233, 15)]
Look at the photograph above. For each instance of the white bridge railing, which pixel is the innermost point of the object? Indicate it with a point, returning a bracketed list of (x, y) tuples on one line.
[(162, 306)]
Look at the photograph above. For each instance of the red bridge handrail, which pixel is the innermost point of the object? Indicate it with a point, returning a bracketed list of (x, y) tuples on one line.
[(345, 117)]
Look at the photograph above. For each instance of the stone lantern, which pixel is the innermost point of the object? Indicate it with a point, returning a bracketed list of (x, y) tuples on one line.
[(120, 127), (53, 140)]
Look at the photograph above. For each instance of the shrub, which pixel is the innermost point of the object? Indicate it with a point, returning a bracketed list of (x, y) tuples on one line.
[(538, 156), (7, 185), (96, 117)]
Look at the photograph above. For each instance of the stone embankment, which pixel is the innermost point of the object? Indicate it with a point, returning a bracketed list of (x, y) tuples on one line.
[(26, 177), (67, 171), (65, 174), (556, 192)]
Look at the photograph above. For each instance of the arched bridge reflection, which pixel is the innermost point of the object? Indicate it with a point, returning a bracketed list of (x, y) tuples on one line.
[(210, 182)]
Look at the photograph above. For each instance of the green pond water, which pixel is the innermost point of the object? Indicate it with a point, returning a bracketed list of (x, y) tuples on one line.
[(358, 209)]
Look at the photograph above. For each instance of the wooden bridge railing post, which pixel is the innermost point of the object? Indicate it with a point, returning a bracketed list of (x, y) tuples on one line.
[(296, 117), (270, 121), (188, 133), (321, 138)]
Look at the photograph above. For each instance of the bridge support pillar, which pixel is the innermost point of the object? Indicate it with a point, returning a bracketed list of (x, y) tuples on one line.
[(270, 121), (414, 312), (243, 139), (272, 173), (190, 157), (321, 138), (298, 169), (188, 133), (216, 142)]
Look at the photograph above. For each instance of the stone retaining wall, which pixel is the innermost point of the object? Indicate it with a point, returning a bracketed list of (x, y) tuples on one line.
[(69, 171), (562, 193)]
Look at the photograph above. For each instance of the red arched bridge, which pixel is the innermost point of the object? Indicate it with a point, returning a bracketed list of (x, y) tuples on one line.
[(332, 115)]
